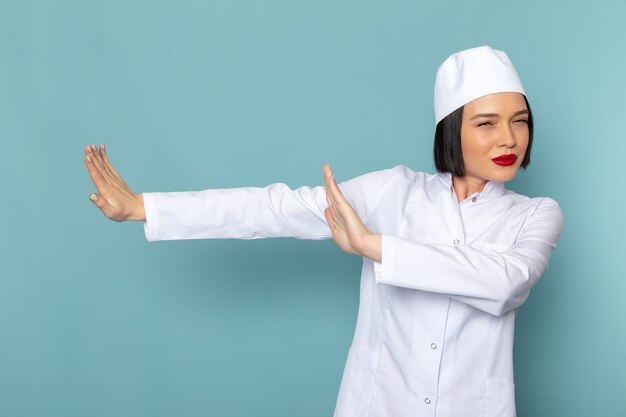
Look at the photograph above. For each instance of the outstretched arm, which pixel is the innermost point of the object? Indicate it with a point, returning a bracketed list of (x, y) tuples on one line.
[(242, 213), (114, 198)]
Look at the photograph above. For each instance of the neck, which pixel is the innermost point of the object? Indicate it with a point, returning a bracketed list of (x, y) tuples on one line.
[(466, 186)]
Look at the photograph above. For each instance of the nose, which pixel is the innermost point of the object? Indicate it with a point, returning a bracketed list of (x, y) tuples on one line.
[(507, 137)]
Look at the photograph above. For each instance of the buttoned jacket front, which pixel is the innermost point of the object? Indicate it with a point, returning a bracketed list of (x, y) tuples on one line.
[(434, 334)]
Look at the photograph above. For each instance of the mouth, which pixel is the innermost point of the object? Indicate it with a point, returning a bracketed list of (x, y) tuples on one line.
[(505, 160)]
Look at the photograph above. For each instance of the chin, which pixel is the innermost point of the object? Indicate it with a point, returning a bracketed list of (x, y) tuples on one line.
[(505, 175)]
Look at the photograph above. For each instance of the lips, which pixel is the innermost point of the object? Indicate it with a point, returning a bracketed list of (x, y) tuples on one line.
[(505, 160)]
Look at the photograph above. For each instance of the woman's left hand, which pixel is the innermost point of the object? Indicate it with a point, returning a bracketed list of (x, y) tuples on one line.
[(348, 230)]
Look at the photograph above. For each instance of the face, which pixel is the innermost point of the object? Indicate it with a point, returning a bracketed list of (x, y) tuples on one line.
[(494, 136)]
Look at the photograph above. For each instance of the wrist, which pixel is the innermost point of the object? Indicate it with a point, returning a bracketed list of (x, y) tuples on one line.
[(138, 213), (372, 247)]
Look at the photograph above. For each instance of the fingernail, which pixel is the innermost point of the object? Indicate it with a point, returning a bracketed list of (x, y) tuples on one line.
[(88, 158), (93, 147), (93, 197)]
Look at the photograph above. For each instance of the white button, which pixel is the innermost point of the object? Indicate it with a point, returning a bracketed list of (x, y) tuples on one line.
[(433, 345), (427, 400), (456, 241), (474, 199)]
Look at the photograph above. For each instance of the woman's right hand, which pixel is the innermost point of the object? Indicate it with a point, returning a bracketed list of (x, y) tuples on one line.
[(114, 198)]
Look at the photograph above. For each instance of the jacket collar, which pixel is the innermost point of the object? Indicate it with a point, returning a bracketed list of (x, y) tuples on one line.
[(492, 188)]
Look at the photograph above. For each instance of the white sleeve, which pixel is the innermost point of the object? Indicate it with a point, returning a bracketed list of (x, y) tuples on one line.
[(495, 282), (252, 212)]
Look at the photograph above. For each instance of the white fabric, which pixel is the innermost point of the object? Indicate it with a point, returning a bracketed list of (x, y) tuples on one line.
[(471, 74), (434, 334)]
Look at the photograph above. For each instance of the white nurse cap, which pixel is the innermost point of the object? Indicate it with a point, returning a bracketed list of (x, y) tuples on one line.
[(471, 74)]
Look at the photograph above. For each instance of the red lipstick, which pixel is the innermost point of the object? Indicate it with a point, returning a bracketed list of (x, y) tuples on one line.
[(505, 160)]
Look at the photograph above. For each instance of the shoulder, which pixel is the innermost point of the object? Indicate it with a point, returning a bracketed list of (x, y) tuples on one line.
[(548, 208), (524, 202), (537, 210), (366, 191), (376, 180), (398, 171)]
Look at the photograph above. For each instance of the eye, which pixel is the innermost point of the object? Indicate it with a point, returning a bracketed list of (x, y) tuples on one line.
[(485, 124), (522, 121)]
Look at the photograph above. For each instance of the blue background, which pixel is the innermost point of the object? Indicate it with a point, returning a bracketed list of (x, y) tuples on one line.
[(187, 95)]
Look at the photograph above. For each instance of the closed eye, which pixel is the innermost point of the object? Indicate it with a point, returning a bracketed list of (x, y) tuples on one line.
[(522, 120), (484, 123)]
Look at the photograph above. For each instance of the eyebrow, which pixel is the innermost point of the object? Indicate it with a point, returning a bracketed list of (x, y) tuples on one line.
[(517, 113)]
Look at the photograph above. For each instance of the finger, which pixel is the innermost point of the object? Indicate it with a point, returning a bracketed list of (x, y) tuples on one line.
[(95, 174), (337, 217), (327, 189), (100, 158), (331, 186), (101, 203), (108, 163), (97, 163), (333, 194), (335, 228), (334, 211), (343, 214), (329, 178), (326, 169), (336, 191), (329, 219)]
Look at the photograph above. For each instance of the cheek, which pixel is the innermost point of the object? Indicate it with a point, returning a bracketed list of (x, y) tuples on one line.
[(476, 144), (522, 142), (522, 135)]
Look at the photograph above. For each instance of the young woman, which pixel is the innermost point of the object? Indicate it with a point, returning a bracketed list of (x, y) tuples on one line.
[(447, 258)]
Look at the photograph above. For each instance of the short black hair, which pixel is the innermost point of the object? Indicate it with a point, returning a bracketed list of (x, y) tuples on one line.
[(447, 147)]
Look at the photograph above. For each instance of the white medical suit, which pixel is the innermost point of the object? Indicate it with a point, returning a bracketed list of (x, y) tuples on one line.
[(434, 334)]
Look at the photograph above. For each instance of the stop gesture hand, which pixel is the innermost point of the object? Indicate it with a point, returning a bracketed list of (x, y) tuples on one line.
[(115, 199), (348, 231)]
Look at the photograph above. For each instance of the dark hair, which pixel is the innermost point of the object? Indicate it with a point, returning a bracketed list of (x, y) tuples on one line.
[(447, 149)]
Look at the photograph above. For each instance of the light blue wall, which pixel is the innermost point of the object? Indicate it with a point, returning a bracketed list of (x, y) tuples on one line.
[(94, 321)]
